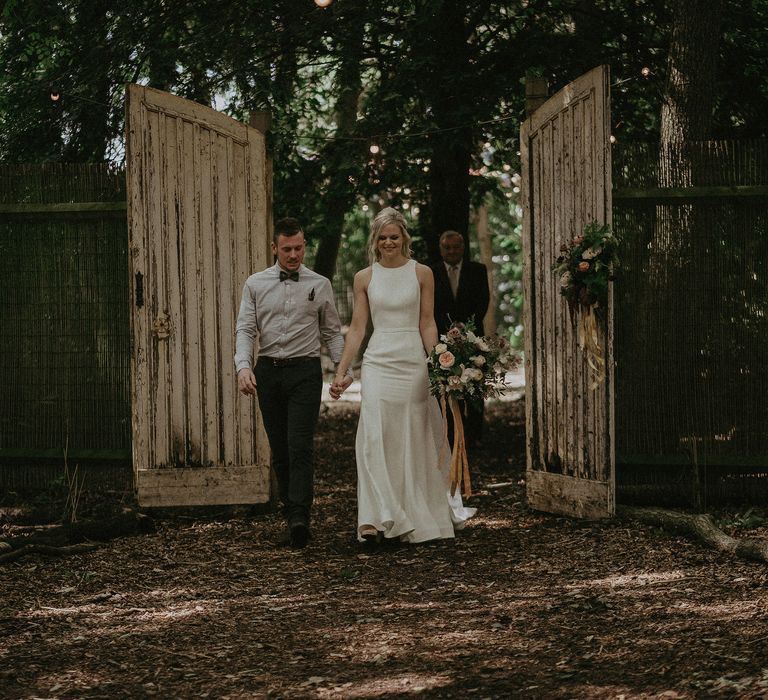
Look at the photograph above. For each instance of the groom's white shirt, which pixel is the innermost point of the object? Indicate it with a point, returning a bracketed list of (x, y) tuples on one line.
[(289, 318)]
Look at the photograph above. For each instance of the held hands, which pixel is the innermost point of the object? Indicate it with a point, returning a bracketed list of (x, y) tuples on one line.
[(246, 382), (339, 386)]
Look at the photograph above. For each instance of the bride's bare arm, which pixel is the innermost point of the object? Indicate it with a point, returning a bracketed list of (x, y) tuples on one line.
[(357, 326), (427, 325)]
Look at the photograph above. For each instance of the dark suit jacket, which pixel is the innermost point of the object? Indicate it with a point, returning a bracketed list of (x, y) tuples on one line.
[(471, 301)]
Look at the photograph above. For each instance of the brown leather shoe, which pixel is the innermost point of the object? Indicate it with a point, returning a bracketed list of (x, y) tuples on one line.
[(299, 535), (283, 539)]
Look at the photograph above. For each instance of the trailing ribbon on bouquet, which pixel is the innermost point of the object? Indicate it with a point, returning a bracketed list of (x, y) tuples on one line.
[(589, 342), (459, 471)]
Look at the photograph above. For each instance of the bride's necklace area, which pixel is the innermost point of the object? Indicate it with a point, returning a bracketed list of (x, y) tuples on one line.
[(394, 263)]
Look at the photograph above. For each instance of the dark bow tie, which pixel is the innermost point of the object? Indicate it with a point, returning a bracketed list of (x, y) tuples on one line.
[(294, 276)]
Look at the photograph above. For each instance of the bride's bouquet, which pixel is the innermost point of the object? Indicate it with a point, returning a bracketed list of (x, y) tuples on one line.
[(470, 368)]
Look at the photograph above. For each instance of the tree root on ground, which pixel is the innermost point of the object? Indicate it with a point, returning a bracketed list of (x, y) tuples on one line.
[(73, 538), (700, 526), (49, 550)]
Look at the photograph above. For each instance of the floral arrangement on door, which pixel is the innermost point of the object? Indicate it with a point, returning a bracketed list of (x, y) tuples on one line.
[(586, 267)]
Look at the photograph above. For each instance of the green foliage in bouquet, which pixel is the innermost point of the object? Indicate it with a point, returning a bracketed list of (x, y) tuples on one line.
[(585, 266), (469, 367)]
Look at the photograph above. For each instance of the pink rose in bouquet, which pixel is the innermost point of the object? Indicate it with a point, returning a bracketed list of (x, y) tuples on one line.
[(446, 360)]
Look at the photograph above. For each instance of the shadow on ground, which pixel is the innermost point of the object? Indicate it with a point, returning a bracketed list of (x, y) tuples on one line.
[(522, 604)]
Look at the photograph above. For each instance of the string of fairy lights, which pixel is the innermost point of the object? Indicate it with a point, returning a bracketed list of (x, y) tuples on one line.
[(377, 142)]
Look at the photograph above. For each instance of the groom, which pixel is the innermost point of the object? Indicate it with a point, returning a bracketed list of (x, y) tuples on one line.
[(290, 310), (461, 294)]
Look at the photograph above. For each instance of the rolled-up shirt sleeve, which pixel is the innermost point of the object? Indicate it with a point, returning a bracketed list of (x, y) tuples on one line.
[(330, 324), (246, 331)]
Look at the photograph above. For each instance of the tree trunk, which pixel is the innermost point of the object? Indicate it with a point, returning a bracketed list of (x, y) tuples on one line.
[(486, 257), (449, 188), (92, 115), (449, 53), (677, 271), (282, 122), (686, 112), (340, 163)]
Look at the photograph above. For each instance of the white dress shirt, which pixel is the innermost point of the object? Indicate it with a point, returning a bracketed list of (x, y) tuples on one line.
[(453, 276), (289, 318)]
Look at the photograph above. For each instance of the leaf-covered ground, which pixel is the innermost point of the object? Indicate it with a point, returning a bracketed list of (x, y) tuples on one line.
[(522, 604)]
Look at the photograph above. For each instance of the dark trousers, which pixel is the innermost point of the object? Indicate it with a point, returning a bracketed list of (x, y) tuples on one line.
[(289, 398), (473, 424)]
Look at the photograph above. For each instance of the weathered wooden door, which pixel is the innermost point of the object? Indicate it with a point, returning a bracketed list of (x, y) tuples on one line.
[(566, 183), (198, 217)]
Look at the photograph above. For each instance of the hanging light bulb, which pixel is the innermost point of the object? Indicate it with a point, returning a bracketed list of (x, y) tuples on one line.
[(374, 148), (323, 3), (55, 95), (645, 71)]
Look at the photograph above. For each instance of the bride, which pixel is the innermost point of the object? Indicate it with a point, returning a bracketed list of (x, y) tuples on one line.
[(402, 491)]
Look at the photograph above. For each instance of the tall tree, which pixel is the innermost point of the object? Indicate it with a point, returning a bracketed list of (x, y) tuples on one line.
[(447, 30), (687, 108), (679, 268), (342, 158)]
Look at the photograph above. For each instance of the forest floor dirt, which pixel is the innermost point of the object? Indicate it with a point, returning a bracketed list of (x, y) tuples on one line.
[(521, 605)]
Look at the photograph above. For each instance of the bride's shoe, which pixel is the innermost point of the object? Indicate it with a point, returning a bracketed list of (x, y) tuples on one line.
[(370, 534)]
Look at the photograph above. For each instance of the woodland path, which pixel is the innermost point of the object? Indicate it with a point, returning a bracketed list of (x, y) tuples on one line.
[(522, 604)]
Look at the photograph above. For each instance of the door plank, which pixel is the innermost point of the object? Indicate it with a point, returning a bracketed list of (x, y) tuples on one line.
[(226, 308), (568, 495), (174, 255), (138, 282), (192, 290), (202, 486)]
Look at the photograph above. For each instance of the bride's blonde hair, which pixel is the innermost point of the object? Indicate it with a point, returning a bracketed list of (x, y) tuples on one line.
[(385, 217)]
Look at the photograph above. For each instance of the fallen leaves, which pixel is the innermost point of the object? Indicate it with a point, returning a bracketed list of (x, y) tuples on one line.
[(522, 604)]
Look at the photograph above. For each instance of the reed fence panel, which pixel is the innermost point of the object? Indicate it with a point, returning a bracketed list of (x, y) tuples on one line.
[(64, 330), (692, 320)]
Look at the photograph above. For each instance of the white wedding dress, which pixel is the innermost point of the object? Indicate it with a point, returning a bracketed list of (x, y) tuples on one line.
[(401, 489)]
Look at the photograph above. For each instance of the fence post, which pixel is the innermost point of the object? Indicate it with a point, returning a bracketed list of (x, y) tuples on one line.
[(261, 120), (536, 93)]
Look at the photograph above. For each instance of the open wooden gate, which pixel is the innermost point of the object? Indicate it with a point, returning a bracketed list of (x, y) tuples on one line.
[(566, 184), (199, 219)]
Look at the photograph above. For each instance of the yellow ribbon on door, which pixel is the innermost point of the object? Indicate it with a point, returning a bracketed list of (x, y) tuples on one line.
[(589, 342)]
